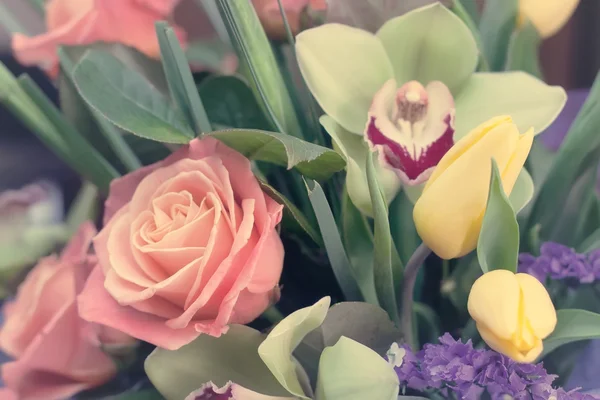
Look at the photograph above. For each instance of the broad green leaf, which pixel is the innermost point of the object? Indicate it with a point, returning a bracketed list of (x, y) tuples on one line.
[(522, 191), (364, 323), (523, 51), (340, 264), (229, 101), (128, 100), (436, 46), (572, 326), (181, 82), (498, 244), (358, 242), (355, 151), (497, 24), (529, 101), (388, 268), (86, 119), (309, 159), (276, 350), (352, 371), (292, 212), (577, 154), (258, 65), (230, 357)]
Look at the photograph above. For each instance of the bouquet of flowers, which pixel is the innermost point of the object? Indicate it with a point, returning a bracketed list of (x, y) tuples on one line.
[(341, 200)]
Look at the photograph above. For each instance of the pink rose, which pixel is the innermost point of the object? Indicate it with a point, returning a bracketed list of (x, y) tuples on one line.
[(190, 246), (57, 354), (81, 22)]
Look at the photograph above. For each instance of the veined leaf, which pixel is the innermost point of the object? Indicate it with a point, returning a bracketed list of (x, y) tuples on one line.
[(313, 161), (128, 100)]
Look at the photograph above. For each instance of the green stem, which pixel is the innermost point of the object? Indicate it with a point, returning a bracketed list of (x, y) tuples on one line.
[(273, 315), (410, 277)]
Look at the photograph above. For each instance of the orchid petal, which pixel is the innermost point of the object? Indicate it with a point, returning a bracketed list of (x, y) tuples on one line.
[(355, 149), (343, 67), (528, 100), (430, 44)]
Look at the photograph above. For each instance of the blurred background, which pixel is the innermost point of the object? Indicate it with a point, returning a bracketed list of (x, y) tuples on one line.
[(568, 59)]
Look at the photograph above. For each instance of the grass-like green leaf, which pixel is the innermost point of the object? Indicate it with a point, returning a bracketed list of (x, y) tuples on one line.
[(181, 82), (313, 161), (388, 268), (497, 24), (128, 100), (523, 51), (498, 245)]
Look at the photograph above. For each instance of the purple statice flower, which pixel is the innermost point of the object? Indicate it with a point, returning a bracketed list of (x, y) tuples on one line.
[(559, 262), (453, 368)]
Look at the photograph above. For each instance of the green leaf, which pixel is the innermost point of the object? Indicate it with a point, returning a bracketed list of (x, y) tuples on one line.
[(276, 350), (229, 101), (497, 24), (365, 323), (292, 212), (128, 100), (230, 357), (82, 155), (403, 227), (388, 267), (85, 207), (340, 264), (592, 242), (572, 326), (181, 82), (498, 244), (358, 241), (522, 192), (84, 112), (352, 371), (309, 159), (523, 51), (258, 64), (578, 153)]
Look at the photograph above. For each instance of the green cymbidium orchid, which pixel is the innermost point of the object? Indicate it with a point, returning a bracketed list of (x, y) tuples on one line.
[(410, 91)]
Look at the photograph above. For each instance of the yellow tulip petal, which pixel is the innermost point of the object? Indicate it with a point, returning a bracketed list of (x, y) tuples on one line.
[(494, 302), (448, 214), (548, 16), (515, 165), (464, 144), (538, 308), (508, 349)]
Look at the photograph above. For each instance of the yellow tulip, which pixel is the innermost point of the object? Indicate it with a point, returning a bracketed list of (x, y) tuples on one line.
[(449, 213), (548, 16), (513, 313)]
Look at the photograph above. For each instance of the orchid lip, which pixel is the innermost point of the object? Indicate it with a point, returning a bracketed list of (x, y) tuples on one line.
[(412, 128)]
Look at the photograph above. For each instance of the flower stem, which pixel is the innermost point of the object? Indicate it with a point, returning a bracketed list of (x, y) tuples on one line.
[(273, 315), (408, 288)]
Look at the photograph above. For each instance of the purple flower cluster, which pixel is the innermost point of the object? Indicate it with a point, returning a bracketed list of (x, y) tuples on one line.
[(456, 369), (560, 262)]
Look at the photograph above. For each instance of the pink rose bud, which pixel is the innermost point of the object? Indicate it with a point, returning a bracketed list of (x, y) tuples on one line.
[(189, 246), (81, 22), (56, 353)]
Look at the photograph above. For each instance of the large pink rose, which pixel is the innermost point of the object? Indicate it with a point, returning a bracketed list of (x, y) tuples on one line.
[(190, 246), (81, 22), (57, 354)]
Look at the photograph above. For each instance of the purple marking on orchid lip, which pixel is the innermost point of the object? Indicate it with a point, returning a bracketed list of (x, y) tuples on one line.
[(412, 127), (398, 157), (210, 391)]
